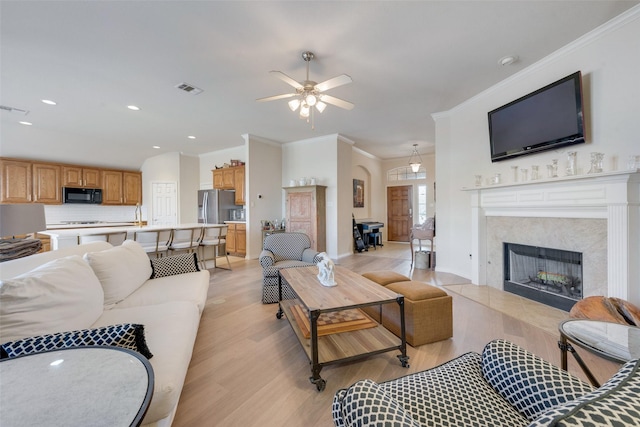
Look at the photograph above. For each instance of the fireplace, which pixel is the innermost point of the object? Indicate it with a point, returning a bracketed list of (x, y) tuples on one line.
[(550, 276)]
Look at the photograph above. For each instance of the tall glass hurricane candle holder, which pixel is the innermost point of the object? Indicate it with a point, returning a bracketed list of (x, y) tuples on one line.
[(571, 163), (596, 162), (514, 173), (534, 172)]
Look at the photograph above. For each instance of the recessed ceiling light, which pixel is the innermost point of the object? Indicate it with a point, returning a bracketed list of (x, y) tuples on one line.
[(26, 123), (49, 102), (157, 147), (191, 137), (508, 60), (133, 107)]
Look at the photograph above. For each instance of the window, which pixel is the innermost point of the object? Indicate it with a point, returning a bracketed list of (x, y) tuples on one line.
[(405, 174), (422, 204)]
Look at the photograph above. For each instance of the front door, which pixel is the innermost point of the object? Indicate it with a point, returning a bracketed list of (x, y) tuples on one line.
[(399, 213)]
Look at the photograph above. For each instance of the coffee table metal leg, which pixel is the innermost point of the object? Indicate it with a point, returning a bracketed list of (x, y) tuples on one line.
[(315, 366), (404, 359), (564, 347), (279, 313)]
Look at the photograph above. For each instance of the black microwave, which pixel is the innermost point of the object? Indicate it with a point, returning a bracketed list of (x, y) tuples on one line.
[(92, 196)]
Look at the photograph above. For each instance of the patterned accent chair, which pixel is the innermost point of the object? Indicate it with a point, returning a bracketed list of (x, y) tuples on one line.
[(283, 250), (504, 386)]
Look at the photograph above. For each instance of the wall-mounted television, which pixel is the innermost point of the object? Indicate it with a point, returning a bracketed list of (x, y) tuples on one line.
[(549, 118)]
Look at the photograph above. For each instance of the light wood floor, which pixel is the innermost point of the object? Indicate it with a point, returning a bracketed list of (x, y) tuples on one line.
[(248, 368)]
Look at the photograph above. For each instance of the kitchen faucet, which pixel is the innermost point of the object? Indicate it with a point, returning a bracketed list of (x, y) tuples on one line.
[(138, 215)]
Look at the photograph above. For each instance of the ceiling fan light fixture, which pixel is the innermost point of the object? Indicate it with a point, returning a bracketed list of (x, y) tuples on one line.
[(415, 161), (294, 104), (320, 106), (304, 111), (311, 100)]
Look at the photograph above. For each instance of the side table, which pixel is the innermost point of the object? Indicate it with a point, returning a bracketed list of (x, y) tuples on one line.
[(611, 341), (80, 386)]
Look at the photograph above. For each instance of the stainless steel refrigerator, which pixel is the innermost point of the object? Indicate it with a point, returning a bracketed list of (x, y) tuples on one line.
[(215, 206)]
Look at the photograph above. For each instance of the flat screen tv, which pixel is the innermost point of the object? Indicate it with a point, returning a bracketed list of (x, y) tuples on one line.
[(549, 118)]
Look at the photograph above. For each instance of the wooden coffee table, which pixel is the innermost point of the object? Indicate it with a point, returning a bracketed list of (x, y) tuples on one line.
[(352, 291)]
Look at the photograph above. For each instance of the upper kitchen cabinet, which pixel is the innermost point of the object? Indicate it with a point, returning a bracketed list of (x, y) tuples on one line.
[(76, 176), (132, 188), (16, 181), (231, 178), (238, 179), (121, 187), (26, 182), (46, 183), (111, 187)]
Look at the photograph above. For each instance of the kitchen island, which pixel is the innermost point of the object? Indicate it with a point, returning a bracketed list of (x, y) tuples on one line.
[(64, 238)]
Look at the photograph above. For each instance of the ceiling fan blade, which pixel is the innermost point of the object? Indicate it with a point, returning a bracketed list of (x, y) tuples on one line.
[(337, 102), (342, 79), (273, 98), (288, 80)]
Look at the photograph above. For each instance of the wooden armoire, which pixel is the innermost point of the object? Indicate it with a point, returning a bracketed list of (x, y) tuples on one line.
[(306, 213)]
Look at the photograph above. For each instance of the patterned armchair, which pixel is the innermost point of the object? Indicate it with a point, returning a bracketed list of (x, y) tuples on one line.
[(283, 250), (504, 386)]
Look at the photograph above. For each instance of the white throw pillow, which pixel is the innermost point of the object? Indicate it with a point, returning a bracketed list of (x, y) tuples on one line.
[(61, 295), (121, 270)]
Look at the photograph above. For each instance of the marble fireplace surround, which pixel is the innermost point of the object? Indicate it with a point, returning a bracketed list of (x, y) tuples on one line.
[(598, 215)]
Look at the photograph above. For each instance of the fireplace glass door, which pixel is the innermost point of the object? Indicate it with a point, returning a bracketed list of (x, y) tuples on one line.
[(550, 276)]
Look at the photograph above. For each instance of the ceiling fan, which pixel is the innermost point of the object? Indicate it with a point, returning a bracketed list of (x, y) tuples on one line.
[(309, 95)]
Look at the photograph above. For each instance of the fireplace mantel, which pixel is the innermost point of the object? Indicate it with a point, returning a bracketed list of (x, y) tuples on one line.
[(614, 196)]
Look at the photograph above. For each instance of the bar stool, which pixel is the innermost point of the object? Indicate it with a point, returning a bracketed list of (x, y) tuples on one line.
[(185, 239), (215, 237), (154, 242), (115, 237)]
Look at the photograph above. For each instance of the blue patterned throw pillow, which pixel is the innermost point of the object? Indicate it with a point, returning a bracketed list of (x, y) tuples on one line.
[(127, 335), (175, 264)]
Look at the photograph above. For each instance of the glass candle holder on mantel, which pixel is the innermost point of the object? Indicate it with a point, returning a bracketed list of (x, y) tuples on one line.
[(534, 172), (596, 162), (552, 169), (524, 174), (571, 163), (514, 173)]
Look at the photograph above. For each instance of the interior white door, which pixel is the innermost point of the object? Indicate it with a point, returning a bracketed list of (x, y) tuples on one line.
[(164, 203)]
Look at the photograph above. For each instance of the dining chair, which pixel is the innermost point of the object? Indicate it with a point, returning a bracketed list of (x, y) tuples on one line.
[(154, 242), (185, 239), (216, 238), (420, 232), (114, 237)]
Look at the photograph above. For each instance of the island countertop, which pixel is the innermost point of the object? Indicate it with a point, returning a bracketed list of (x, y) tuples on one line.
[(64, 238)]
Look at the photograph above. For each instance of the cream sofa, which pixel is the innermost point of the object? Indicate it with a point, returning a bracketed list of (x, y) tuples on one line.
[(96, 285)]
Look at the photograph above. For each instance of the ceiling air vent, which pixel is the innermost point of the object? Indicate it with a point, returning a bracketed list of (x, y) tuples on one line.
[(189, 88), (13, 110)]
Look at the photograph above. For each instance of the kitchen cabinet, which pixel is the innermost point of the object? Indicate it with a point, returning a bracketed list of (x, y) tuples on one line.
[(306, 213), (231, 178), (46, 183), (238, 180), (121, 187), (132, 188), (237, 239), (77, 176), (16, 181), (26, 182)]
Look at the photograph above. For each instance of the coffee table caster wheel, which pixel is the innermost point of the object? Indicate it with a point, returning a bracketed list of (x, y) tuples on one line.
[(404, 360), (320, 383), (279, 314)]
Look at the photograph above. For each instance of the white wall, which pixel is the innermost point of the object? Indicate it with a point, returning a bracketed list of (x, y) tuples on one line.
[(609, 58), (263, 192)]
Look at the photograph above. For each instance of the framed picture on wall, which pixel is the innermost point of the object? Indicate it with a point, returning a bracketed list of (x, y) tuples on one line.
[(358, 193)]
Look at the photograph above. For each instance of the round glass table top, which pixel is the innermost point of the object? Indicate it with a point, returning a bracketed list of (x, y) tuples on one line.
[(617, 342), (82, 386)]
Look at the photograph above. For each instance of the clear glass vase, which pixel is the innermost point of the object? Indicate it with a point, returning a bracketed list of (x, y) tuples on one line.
[(596, 162), (571, 163)]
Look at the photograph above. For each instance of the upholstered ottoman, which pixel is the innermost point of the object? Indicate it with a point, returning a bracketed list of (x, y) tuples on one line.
[(428, 309)]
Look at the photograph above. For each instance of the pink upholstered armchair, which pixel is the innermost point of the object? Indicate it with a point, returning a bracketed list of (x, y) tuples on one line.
[(420, 232)]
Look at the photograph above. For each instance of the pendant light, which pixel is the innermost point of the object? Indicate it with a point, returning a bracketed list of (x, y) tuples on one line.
[(415, 161)]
